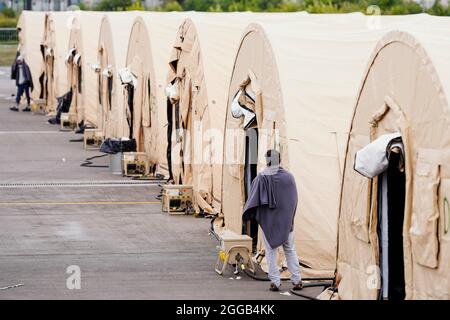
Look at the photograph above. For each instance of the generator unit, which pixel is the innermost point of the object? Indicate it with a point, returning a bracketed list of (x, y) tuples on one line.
[(234, 250), (38, 106), (68, 121), (93, 139), (177, 199), (135, 164)]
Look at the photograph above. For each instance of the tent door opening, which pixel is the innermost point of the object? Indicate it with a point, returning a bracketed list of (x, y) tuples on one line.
[(250, 171), (384, 158), (391, 208), (130, 94), (42, 77)]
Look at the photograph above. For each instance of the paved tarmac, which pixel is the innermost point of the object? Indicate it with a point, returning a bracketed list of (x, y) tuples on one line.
[(55, 214)]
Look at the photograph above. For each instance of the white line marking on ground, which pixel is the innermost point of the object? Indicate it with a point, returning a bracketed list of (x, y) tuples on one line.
[(28, 132)]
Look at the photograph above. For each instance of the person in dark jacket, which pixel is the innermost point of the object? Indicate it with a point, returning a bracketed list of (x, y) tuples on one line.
[(272, 202), (24, 82)]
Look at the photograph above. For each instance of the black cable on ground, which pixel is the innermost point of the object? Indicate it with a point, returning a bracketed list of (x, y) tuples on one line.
[(325, 285), (89, 164), (306, 285), (297, 293), (146, 178), (319, 279), (259, 278), (77, 140), (211, 230)]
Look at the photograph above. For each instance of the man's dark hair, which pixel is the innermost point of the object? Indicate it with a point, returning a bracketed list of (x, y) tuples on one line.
[(273, 158)]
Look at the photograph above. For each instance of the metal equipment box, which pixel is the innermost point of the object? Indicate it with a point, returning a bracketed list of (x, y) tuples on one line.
[(93, 139), (234, 249), (177, 199), (230, 240), (38, 106), (135, 164), (68, 121)]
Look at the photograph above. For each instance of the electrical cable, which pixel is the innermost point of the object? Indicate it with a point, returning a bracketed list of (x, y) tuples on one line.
[(77, 140), (211, 230), (334, 290), (297, 293), (146, 178), (325, 285), (89, 164), (306, 285)]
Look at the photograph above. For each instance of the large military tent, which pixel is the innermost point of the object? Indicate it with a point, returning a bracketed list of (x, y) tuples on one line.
[(200, 68), (81, 58), (394, 238), (295, 84), (113, 41), (30, 29), (55, 46), (201, 64), (149, 49)]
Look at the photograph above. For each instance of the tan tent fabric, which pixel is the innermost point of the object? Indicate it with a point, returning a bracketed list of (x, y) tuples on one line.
[(31, 25), (112, 53), (201, 61), (203, 43), (149, 48), (83, 38), (201, 65), (405, 89), (56, 42), (305, 75)]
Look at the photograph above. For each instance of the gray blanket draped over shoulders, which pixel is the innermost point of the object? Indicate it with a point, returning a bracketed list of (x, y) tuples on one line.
[(272, 201)]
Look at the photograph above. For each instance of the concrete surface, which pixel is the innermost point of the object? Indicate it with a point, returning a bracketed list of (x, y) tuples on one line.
[(125, 250)]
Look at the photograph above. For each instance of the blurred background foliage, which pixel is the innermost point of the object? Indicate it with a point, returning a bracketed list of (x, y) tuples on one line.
[(9, 17), (388, 7)]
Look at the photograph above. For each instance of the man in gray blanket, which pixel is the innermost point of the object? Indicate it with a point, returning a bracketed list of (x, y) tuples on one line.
[(272, 202)]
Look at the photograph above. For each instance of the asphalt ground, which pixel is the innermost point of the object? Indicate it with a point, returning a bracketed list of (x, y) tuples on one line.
[(55, 214)]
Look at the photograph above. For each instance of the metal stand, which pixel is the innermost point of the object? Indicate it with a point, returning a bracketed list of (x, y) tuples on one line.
[(235, 251)]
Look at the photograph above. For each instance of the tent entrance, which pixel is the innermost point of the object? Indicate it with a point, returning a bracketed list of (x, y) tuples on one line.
[(384, 158), (391, 208), (48, 92), (130, 113), (42, 78), (75, 78), (250, 171)]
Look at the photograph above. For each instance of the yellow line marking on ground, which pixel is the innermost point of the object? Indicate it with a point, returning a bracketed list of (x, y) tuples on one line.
[(79, 203)]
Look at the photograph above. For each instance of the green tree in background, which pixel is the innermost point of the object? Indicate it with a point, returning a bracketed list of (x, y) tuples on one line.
[(136, 6), (113, 5), (173, 6), (393, 7), (8, 12), (8, 18)]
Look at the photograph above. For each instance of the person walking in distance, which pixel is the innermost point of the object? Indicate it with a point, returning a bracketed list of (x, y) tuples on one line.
[(24, 82)]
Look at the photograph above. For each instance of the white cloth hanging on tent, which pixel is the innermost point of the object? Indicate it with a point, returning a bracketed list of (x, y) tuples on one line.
[(373, 159)]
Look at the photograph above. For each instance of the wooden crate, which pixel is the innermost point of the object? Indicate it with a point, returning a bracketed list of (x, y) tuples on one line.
[(176, 199), (93, 139), (68, 121), (39, 106), (135, 164)]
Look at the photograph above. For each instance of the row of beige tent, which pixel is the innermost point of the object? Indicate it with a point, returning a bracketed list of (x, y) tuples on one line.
[(204, 89)]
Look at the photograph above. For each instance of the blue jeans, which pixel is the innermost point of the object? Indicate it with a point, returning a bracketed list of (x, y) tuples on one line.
[(21, 89), (291, 260)]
